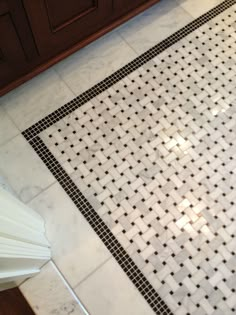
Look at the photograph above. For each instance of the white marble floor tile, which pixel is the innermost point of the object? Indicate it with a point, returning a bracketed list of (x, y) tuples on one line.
[(37, 98), (76, 248), (7, 128), (23, 169), (199, 7), (48, 294), (154, 25), (95, 62), (109, 291)]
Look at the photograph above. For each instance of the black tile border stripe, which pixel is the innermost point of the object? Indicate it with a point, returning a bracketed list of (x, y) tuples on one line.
[(112, 244), (124, 71), (31, 134)]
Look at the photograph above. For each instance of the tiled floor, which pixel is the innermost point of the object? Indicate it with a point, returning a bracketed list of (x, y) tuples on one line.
[(48, 294), (66, 228), (85, 266)]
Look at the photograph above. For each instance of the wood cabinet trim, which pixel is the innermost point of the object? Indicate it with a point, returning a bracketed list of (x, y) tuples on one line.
[(55, 29)]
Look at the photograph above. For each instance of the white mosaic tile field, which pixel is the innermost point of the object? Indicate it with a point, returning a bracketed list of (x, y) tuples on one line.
[(155, 156)]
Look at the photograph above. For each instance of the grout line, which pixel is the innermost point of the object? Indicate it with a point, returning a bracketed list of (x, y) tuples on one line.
[(9, 140), (10, 118), (92, 272), (127, 43), (125, 40), (205, 11), (70, 289), (178, 5), (16, 193), (41, 192), (61, 78), (190, 14), (116, 32), (13, 122), (193, 18)]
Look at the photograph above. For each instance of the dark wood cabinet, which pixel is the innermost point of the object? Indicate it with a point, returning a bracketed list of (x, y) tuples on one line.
[(124, 6), (12, 57), (17, 47), (35, 34), (64, 23)]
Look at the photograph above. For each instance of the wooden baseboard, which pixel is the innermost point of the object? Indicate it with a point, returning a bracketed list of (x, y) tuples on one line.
[(74, 48)]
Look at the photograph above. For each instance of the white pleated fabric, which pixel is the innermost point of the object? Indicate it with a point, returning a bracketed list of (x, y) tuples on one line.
[(23, 245)]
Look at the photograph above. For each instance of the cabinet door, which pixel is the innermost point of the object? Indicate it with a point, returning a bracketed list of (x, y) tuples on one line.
[(56, 25), (12, 56), (124, 6)]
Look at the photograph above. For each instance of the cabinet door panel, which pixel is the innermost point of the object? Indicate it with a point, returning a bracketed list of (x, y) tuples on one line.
[(123, 6), (66, 22), (12, 56), (71, 9), (18, 15)]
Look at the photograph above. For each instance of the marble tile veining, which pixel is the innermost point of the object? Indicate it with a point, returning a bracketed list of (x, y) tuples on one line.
[(76, 249), (109, 291), (154, 155), (95, 62), (36, 98), (154, 25), (49, 295), (199, 7), (26, 174), (7, 128)]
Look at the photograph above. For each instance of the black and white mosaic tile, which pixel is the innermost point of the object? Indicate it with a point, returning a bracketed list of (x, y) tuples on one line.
[(151, 161)]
